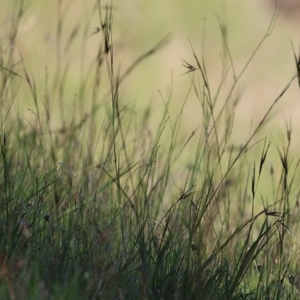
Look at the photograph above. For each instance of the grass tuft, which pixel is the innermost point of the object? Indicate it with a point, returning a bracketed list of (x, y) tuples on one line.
[(94, 204)]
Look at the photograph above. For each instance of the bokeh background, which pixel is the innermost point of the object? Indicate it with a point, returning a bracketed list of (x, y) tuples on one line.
[(138, 25)]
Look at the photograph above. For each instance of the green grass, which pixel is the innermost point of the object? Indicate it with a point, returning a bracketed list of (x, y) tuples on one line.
[(95, 203)]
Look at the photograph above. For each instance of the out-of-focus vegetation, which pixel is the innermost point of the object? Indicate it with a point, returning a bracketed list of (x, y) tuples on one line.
[(147, 151)]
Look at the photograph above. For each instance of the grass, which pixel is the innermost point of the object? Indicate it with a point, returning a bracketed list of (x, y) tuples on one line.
[(95, 204)]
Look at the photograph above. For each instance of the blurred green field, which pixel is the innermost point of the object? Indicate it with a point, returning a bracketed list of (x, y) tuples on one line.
[(138, 25), (123, 176)]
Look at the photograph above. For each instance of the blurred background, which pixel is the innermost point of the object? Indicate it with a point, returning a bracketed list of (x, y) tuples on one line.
[(138, 25)]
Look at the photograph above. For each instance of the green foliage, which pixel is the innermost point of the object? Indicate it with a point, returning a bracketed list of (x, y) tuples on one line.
[(104, 208)]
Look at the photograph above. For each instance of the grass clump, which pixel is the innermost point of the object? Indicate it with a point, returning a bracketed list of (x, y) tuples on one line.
[(102, 207)]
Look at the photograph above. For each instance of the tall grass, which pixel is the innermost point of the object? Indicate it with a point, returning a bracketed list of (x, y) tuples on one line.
[(105, 208)]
